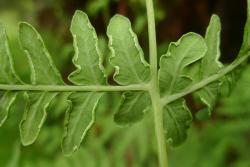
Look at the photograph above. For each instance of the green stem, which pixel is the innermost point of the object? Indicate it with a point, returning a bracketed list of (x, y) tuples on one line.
[(159, 130), (68, 88), (154, 89)]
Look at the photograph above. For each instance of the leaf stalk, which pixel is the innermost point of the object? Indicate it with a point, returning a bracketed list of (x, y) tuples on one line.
[(69, 88), (154, 89)]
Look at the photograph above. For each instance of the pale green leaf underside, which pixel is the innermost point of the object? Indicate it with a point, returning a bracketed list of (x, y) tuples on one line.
[(177, 119), (7, 73), (190, 48), (43, 72), (6, 100), (208, 95), (180, 55), (7, 76), (88, 61), (131, 68), (132, 108), (132, 74), (87, 57), (210, 63), (244, 50), (34, 115), (79, 119), (127, 55)]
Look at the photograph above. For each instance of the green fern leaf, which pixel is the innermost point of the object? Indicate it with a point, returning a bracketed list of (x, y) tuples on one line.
[(7, 76), (127, 55), (190, 48), (43, 72), (191, 65), (210, 64), (180, 55), (88, 61), (131, 68), (232, 77), (177, 119), (132, 108)]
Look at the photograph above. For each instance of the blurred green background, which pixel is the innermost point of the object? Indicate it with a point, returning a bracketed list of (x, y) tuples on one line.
[(222, 141)]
